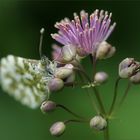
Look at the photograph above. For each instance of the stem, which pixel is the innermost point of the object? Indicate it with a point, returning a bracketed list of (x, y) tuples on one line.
[(84, 73), (73, 120), (115, 96), (89, 95), (106, 132), (93, 102), (99, 100), (125, 94), (94, 89), (71, 112), (93, 61)]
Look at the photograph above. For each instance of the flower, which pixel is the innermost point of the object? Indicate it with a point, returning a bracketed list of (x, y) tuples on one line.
[(85, 32)]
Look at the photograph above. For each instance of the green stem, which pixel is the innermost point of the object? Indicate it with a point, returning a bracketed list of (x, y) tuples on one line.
[(99, 100), (115, 96), (97, 94), (74, 120), (71, 112), (106, 132), (94, 62), (125, 94), (94, 89), (84, 73), (93, 102), (89, 95)]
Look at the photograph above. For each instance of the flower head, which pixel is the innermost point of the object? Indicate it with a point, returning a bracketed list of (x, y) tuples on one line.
[(85, 32)]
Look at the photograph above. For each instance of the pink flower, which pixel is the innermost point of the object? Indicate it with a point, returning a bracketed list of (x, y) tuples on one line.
[(85, 32)]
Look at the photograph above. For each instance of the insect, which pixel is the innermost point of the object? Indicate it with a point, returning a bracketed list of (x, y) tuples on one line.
[(27, 79)]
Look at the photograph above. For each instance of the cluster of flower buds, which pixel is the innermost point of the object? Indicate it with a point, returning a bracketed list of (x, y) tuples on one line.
[(129, 68), (58, 128), (62, 75)]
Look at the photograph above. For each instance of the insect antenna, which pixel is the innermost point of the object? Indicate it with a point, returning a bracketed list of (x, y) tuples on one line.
[(41, 41)]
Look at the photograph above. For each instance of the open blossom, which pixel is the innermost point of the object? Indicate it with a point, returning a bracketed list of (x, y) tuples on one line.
[(85, 32)]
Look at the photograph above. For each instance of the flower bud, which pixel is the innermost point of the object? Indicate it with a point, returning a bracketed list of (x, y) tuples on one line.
[(71, 78), (48, 106), (100, 77), (68, 52), (98, 123), (105, 50), (135, 79), (128, 67), (63, 72), (55, 84), (57, 129), (69, 66), (81, 52)]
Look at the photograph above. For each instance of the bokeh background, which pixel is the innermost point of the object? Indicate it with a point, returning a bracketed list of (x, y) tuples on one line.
[(20, 22)]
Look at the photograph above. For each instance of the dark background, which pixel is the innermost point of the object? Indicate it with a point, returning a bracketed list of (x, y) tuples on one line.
[(20, 22)]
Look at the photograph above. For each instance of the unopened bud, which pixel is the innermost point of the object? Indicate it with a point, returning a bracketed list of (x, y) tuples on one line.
[(98, 123), (105, 50), (128, 67), (55, 84), (81, 52), (68, 52), (100, 77), (57, 129), (135, 79), (48, 106), (69, 66), (70, 79), (63, 72)]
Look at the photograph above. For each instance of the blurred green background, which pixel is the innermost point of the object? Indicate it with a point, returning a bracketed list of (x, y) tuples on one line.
[(20, 22)]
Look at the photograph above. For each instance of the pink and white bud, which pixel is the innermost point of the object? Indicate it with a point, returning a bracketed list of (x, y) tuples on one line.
[(70, 79), (128, 67), (63, 72), (57, 129), (98, 123), (48, 106), (105, 50), (135, 79), (100, 77), (55, 84), (68, 52)]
